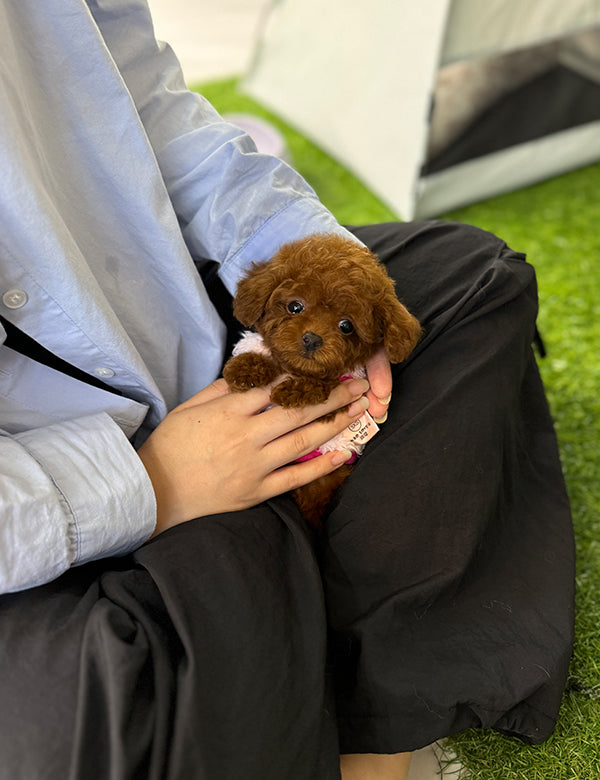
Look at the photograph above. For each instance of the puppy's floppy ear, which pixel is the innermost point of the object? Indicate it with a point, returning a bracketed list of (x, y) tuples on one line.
[(384, 319), (401, 331), (253, 293)]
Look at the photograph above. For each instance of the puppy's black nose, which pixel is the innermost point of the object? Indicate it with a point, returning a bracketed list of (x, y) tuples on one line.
[(311, 342)]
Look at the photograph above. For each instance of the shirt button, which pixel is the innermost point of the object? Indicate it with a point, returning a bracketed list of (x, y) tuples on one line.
[(14, 299), (103, 372)]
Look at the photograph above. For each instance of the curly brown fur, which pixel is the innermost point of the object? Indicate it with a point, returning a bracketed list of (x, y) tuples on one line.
[(323, 305), (312, 499)]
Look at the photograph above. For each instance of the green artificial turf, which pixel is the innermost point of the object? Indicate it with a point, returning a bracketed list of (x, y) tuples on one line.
[(556, 223)]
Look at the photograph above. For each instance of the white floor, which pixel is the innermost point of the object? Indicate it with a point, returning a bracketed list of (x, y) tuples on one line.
[(212, 38), (215, 39)]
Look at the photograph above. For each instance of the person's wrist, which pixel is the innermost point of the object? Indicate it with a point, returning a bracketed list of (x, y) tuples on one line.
[(167, 514)]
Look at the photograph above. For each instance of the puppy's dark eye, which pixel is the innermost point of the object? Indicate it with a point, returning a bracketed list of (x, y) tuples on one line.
[(295, 307), (346, 327)]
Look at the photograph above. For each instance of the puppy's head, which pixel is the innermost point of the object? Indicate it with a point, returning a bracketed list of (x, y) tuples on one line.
[(323, 305)]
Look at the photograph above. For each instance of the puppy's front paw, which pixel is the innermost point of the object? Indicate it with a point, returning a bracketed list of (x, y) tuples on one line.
[(248, 370), (294, 393)]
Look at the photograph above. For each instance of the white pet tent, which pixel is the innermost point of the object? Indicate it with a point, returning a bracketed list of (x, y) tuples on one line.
[(437, 103)]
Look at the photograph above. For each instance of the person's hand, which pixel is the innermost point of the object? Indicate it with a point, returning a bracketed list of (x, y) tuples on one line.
[(216, 453), (379, 375)]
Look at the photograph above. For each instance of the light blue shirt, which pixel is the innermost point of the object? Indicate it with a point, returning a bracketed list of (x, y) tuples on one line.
[(112, 177)]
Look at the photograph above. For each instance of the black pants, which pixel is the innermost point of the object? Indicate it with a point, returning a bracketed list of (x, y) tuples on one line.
[(439, 598)]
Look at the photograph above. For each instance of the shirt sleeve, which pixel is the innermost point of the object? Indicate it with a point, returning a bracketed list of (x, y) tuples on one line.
[(58, 485), (234, 204)]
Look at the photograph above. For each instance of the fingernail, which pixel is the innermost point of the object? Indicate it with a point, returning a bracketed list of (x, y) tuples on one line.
[(341, 457), (385, 401), (358, 386), (358, 407), (380, 420)]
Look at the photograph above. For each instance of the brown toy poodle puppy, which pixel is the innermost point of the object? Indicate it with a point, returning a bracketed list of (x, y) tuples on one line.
[(319, 309)]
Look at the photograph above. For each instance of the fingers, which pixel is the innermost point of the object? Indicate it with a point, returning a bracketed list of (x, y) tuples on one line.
[(379, 375), (247, 403), (279, 436), (297, 474), (347, 393), (287, 434), (303, 440), (258, 399), (216, 389)]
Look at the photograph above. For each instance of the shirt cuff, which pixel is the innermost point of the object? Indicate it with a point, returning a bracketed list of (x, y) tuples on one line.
[(102, 483), (302, 217)]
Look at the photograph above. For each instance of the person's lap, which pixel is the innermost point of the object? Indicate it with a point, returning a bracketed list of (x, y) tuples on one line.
[(201, 655), (441, 564), (448, 559)]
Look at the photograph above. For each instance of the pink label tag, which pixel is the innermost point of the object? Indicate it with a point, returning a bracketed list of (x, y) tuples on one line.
[(360, 431)]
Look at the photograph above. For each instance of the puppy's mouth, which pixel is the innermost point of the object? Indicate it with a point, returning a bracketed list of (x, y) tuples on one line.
[(309, 353), (317, 362)]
